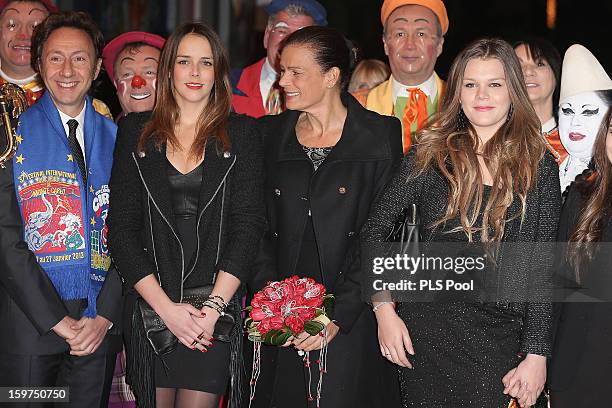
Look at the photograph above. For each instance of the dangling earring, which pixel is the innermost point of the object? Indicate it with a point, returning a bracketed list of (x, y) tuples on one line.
[(461, 120), (510, 112)]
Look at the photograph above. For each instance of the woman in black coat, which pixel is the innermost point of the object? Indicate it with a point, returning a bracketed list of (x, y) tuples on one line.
[(186, 211), (480, 176), (581, 363), (326, 159)]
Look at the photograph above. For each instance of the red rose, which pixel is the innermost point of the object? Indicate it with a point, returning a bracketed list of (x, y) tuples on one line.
[(306, 313), (313, 302), (257, 314), (272, 292), (294, 323), (276, 322), (264, 326), (271, 308)]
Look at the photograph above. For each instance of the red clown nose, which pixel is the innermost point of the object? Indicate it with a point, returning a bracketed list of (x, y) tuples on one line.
[(138, 81)]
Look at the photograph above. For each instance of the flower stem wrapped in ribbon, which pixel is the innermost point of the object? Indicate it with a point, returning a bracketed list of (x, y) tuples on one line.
[(284, 309)]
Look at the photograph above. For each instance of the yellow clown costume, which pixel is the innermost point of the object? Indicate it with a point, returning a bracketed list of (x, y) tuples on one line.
[(413, 110)]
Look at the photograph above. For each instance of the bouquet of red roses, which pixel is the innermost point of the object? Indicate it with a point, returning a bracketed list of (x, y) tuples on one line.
[(287, 308), (284, 309)]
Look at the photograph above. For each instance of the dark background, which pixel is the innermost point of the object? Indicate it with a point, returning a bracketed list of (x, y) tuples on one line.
[(241, 22), (588, 22)]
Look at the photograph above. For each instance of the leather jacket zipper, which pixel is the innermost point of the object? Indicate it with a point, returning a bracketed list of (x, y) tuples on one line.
[(222, 183), (169, 225)]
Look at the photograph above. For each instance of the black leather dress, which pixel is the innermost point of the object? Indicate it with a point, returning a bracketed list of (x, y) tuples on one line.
[(186, 368)]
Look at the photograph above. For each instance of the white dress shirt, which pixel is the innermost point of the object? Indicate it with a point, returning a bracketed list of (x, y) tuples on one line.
[(549, 125), (266, 80), (428, 87), (79, 130)]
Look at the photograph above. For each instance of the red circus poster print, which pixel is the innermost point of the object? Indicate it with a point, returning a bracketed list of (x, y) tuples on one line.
[(51, 207)]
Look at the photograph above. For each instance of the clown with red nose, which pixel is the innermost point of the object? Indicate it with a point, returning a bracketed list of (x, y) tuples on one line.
[(131, 61)]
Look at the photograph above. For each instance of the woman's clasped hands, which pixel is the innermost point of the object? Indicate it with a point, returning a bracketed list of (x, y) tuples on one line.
[(192, 327)]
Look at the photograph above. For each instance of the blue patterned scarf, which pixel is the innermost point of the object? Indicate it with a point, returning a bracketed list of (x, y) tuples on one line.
[(65, 220)]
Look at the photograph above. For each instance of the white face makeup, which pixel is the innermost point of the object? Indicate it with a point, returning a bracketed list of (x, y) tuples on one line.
[(136, 77), (17, 22), (580, 117), (412, 44)]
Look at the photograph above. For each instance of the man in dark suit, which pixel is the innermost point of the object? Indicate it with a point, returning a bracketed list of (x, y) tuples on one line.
[(60, 299)]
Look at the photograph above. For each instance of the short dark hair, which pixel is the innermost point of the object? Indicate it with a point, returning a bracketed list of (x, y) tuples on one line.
[(329, 48), (71, 19)]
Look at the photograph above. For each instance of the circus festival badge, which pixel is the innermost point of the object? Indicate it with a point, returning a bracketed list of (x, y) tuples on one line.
[(284, 309)]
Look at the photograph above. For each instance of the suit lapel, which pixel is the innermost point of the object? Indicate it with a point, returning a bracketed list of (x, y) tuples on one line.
[(249, 85)]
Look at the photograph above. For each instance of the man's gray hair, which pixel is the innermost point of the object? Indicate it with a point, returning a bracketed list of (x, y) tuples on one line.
[(294, 10)]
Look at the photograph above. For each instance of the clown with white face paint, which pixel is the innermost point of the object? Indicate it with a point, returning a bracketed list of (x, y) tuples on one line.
[(586, 95), (17, 22), (131, 62)]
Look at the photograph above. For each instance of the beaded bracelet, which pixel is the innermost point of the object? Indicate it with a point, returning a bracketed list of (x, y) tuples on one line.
[(221, 306), (378, 306), (212, 305), (223, 302)]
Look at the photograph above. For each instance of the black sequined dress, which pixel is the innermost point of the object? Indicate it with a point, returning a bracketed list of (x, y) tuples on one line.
[(463, 349)]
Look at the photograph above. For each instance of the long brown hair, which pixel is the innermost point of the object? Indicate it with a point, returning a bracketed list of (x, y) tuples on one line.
[(596, 187), (511, 155), (212, 122)]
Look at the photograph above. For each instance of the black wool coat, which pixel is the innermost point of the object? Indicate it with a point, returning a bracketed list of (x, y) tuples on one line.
[(583, 316), (338, 196)]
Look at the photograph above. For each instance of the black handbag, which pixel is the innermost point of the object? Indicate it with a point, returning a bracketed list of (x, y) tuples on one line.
[(161, 338), (406, 232), (403, 239)]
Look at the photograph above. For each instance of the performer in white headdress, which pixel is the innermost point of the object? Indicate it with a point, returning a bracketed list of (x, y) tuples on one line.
[(586, 95)]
